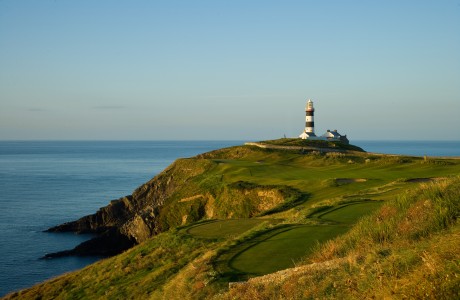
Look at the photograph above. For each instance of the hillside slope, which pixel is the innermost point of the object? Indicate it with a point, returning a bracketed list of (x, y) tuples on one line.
[(410, 248), (183, 193), (237, 213)]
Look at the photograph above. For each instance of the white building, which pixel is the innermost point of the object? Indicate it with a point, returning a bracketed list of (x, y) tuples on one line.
[(333, 135)]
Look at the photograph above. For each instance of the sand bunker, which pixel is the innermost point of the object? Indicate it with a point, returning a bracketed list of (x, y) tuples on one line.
[(349, 180)]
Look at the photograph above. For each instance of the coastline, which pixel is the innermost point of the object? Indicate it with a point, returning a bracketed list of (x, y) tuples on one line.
[(57, 156)]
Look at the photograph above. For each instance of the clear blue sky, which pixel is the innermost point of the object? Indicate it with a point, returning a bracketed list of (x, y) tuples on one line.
[(231, 69)]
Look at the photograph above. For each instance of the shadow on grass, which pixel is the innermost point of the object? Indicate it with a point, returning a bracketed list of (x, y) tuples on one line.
[(280, 247), (341, 214), (223, 229), (224, 261)]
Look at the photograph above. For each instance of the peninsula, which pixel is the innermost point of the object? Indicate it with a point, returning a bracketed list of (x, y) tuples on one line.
[(288, 219)]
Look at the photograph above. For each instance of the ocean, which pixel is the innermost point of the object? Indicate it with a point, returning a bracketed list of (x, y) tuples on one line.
[(418, 148), (46, 183)]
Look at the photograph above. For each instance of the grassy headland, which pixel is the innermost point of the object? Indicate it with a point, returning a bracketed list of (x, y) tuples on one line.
[(296, 142), (375, 225)]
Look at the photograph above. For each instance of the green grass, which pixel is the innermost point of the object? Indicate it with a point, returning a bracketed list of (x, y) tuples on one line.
[(409, 248), (217, 229), (350, 213), (312, 143), (281, 248), (136, 274), (302, 191), (312, 174)]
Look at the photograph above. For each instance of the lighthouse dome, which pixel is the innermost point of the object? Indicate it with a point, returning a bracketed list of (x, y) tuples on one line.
[(309, 105)]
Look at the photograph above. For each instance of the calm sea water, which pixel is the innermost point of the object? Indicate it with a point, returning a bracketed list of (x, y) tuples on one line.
[(47, 183), (43, 184), (419, 148)]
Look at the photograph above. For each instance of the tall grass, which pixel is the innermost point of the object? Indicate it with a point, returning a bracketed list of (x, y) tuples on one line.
[(409, 248), (138, 273), (417, 214)]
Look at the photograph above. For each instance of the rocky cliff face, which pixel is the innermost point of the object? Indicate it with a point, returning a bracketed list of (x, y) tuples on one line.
[(131, 219), (185, 192)]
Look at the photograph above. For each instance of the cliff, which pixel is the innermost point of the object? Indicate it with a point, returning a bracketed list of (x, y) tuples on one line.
[(325, 225), (179, 195), (409, 248)]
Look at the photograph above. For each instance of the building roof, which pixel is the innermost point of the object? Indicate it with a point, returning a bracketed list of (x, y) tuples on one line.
[(332, 134)]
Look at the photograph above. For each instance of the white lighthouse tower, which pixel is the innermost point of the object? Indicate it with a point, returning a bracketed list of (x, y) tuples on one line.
[(309, 121)]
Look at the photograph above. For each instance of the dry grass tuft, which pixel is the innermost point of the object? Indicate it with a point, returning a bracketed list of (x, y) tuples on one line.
[(410, 248)]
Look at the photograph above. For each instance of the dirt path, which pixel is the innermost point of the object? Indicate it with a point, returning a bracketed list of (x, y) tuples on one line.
[(282, 275)]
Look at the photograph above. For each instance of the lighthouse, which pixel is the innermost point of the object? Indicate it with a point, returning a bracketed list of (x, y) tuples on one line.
[(309, 121), (309, 131)]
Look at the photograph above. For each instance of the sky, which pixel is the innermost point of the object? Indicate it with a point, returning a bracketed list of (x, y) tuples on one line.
[(228, 70)]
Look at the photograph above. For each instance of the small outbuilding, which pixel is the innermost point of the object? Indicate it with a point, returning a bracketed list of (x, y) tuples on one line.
[(333, 135)]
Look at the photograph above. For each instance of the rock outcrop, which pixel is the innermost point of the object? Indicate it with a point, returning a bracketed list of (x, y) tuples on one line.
[(131, 219), (183, 193)]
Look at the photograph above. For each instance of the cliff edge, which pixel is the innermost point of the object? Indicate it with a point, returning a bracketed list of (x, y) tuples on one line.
[(187, 191)]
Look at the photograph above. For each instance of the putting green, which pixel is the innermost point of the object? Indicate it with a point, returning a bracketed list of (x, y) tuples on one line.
[(283, 249), (350, 213)]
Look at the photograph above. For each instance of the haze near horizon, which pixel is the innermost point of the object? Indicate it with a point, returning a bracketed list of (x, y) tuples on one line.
[(242, 70)]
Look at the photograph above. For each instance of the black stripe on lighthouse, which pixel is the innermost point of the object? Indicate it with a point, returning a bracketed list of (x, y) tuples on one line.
[(309, 114), (309, 124)]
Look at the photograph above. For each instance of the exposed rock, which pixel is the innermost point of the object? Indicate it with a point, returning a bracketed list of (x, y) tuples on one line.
[(131, 219), (112, 215), (108, 243), (174, 197), (191, 198)]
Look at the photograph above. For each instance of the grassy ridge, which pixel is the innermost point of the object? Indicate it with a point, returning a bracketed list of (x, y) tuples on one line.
[(312, 143)]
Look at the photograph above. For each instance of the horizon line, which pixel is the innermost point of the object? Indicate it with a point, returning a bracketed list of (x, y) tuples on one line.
[(208, 140)]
